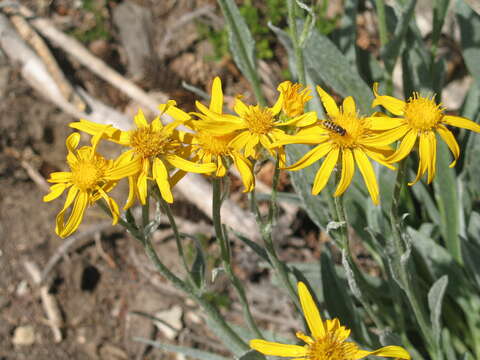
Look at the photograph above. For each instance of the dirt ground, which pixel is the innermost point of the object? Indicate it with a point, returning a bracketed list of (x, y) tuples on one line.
[(105, 277)]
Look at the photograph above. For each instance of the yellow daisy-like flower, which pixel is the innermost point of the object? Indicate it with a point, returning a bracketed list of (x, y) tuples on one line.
[(255, 127), (327, 340), (159, 149), (343, 138), (90, 178), (207, 147), (419, 118), (294, 98)]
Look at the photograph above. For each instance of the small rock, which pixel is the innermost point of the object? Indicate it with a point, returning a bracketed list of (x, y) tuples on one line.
[(22, 288), (172, 317), (24, 336)]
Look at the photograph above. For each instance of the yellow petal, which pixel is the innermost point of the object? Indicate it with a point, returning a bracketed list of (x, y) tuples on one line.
[(277, 107), (423, 150), (461, 122), (386, 137), (348, 170), (328, 103), (395, 106), (240, 108), (250, 146), (132, 192), (123, 169), (60, 177), (277, 349), (240, 141), (311, 313), (72, 141), (368, 174), (142, 181), (160, 174), (349, 105), (175, 112), (321, 178), (384, 122), (216, 102), (76, 215), (140, 120), (245, 169), (405, 146), (432, 151), (175, 178), (189, 166), (448, 137), (112, 206), (386, 351), (310, 157), (55, 191), (378, 156), (300, 121)]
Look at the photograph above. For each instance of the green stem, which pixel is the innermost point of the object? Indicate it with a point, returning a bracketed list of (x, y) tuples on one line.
[(408, 284), (292, 23), (211, 311), (382, 22), (227, 258), (266, 233), (251, 72)]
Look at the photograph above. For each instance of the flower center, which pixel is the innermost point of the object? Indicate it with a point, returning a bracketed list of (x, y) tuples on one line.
[(87, 173), (259, 120), (346, 129), (148, 142), (215, 145), (331, 348), (423, 113)]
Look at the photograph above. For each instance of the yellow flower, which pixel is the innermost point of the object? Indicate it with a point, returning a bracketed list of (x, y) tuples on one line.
[(294, 98), (343, 138), (254, 127), (159, 150), (420, 118), (90, 178), (207, 147), (327, 342)]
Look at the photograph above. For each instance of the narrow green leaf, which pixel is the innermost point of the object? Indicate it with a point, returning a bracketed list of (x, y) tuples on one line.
[(394, 46), (337, 300), (439, 13), (471, 256), (447, 345), (252, 355), (242, 44), (435, 300), (315, 206), (198, 266), (260, 251), (345, 36), (415, 67), (448, 202), (193, 353), (469, 23), (230, 345), (326, 64)]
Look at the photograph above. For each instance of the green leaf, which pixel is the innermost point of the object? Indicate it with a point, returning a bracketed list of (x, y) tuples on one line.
[(337, 300), (242, 44), (469, 23), (392, 50), (193, 353), (326, 64), (199, 265), (435, 300), (260, 251), (235, 348), (415, 66), (252, 355), (315, 206), (448, 202), (471, 256), (345, 36), (439, 13)]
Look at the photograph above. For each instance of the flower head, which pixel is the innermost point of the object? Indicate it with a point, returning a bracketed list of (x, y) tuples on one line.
[(341, 138), (328, 340), (157, 147), (90, 177), (418, 118), (206, 147), (255, 128), (294, 98)]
